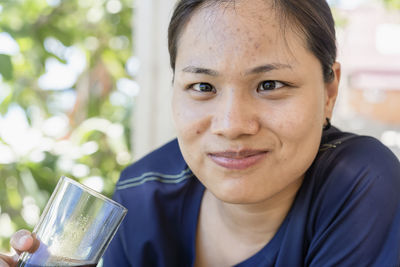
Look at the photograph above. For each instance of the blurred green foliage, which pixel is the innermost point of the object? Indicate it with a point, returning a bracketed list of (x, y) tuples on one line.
[(395, 4), (80, 130)]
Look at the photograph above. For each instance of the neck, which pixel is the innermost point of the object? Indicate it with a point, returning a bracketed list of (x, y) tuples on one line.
[(230, 233), (257, 222)]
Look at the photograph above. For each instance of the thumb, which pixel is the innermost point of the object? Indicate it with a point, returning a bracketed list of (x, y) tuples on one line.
[(22, 241)]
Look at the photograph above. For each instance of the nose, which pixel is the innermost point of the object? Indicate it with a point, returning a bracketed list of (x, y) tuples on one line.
[(236, 116)]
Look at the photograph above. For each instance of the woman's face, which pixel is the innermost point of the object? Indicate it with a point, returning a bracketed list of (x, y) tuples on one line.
[(248, 104)]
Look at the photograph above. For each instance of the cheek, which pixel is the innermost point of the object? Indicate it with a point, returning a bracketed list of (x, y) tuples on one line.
[(191, 125), (190, 120), (297, 130), (298, 121)]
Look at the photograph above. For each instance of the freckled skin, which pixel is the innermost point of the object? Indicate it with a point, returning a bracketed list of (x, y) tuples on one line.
[(288, 123)]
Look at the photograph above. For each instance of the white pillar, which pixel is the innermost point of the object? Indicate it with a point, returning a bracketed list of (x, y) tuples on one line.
[(151, 121)]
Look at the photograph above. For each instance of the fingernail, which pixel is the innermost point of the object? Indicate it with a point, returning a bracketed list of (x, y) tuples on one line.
[(22, 240)]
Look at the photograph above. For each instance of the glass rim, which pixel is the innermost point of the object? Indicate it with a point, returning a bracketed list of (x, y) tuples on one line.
[(92, 192)]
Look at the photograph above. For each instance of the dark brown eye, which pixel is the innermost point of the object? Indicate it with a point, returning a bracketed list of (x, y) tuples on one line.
[(203, 87), (269, 85)]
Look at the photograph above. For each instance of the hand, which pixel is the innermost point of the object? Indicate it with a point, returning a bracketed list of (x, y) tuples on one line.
[(21, 241)]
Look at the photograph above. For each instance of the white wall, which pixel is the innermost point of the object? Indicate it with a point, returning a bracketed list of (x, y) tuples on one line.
[(151, 121)]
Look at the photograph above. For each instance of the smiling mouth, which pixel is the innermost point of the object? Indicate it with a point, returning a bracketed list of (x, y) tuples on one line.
[(237, 160)]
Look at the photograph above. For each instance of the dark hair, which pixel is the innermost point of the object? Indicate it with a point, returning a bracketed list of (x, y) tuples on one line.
[(313, 18)]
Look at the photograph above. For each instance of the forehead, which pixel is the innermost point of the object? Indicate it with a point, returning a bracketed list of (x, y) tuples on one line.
[(243, 29)]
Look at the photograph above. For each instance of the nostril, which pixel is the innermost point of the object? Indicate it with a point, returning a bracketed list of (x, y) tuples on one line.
[(236, 115), (234, 128)]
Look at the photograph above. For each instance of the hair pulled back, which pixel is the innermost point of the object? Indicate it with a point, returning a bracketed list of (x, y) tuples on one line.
[(312, 18)]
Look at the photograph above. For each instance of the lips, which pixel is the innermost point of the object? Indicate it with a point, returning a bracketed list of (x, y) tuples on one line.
[(238, 160)]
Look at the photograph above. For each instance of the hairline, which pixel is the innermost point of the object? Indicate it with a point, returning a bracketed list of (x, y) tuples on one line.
[(287, 22)]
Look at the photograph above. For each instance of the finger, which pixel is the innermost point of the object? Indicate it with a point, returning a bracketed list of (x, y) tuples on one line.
[(15, 259), (35, 245), (22, 241), (6, 261)]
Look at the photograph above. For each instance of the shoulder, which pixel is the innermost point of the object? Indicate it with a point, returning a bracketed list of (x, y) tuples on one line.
[(154, 189), (353, 202), (355, 172), (165, 159), (159, 176), (158, 191), (163, 165), (349, 156)]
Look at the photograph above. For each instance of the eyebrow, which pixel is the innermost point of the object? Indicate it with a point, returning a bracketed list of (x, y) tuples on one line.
[(256, 70), (198, 70)]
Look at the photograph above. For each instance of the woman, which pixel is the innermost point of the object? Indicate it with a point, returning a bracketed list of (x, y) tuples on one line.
[(257, 177)]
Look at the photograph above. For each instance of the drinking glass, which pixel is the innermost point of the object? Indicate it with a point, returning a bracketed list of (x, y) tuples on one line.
[(75, 227)]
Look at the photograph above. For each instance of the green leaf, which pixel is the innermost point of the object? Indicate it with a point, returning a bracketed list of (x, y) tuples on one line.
[(4, 105), (6, 67)]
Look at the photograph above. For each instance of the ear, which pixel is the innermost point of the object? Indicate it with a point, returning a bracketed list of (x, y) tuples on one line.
[(331, 90)]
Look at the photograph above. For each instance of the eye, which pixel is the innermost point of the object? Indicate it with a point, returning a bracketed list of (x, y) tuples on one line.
[(203, 87), (269, 86)]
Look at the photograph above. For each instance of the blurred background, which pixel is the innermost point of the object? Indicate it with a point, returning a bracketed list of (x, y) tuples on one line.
[(66, 97), (85, 89)]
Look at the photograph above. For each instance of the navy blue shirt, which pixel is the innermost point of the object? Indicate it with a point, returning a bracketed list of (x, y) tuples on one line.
[(346, 213)]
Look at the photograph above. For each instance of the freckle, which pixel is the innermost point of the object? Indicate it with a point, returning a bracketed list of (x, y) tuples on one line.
[(238, 29), (198, 132)]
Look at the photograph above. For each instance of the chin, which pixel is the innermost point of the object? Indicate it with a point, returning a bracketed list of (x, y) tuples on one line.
[(239, 200), (234, 195)]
